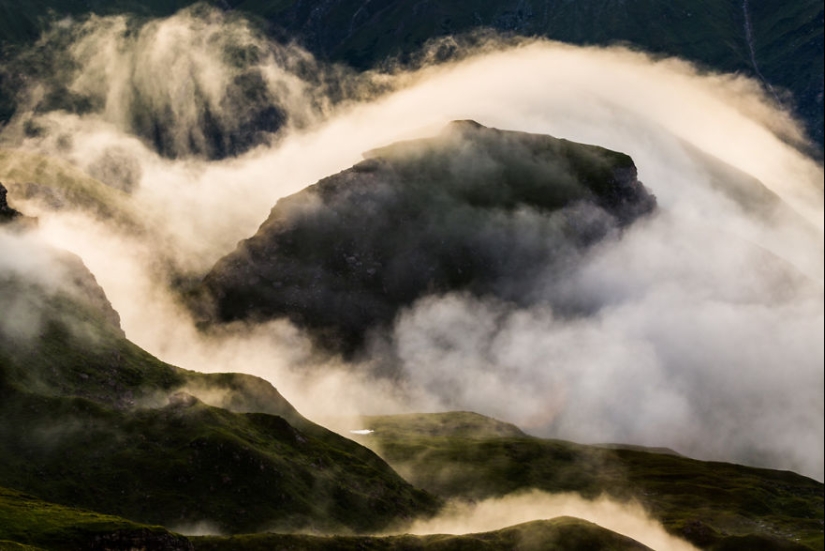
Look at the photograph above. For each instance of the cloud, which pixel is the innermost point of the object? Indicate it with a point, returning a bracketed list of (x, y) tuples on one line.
[(703, 324)]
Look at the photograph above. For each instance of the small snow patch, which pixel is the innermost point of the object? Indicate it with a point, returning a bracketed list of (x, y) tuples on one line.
[(362, 431)]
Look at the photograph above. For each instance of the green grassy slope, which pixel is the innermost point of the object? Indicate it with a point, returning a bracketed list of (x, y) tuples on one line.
[(30, 523), (705, 502), (29, 176), (78, 431), (91, 420), (188, 463)]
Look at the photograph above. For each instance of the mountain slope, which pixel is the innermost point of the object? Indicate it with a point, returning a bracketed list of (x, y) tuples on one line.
[(713, 505), (28, 521), (91, 420), (424, 217), (779, 43)]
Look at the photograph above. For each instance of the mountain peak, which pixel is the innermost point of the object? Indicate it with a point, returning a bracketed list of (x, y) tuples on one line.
[(422, 217)]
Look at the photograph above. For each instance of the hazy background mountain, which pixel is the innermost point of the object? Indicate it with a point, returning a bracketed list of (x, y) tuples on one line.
[(778, 43)]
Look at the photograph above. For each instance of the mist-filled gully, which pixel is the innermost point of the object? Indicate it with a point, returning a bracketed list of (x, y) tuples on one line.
[(696, 327)]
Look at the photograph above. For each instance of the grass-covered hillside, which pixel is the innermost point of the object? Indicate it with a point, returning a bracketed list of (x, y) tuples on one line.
[(91, 420), (28, 523), (713, 505)]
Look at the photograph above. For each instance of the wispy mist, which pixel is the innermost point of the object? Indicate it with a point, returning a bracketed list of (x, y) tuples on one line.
[(705, 321), (492, 514)]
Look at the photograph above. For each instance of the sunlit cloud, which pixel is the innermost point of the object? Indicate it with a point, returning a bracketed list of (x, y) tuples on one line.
[(707, 318)]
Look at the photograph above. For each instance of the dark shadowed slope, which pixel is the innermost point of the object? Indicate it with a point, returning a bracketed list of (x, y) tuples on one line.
[(423, 217), (28, 523), (779, 43), (90, 420)]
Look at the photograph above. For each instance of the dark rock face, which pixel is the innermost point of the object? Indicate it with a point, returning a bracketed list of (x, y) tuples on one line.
[(474, 209), (13, 218), (7, 214), (83, 286)]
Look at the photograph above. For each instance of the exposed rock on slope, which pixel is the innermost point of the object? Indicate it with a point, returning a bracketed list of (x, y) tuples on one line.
[(9, 215), (474, 209), (6, 212)]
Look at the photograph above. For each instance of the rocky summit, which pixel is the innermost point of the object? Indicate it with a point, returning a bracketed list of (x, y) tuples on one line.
[(421, 217)]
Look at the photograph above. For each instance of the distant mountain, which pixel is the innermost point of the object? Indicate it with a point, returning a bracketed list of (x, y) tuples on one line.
[(91, 420), (778, 43), (342, 257)]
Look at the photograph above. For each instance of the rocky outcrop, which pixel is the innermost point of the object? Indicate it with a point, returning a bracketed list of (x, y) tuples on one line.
[(6, 212), (82, 285), (9, 215), (474, 209)]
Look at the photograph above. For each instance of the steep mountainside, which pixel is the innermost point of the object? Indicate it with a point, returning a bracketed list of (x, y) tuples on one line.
[(26, 521), (558, 534), (779, 43), (91, 420), (426, 217)]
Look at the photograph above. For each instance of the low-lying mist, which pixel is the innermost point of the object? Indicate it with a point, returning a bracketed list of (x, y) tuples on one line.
[(705, 324), (493, 514)]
